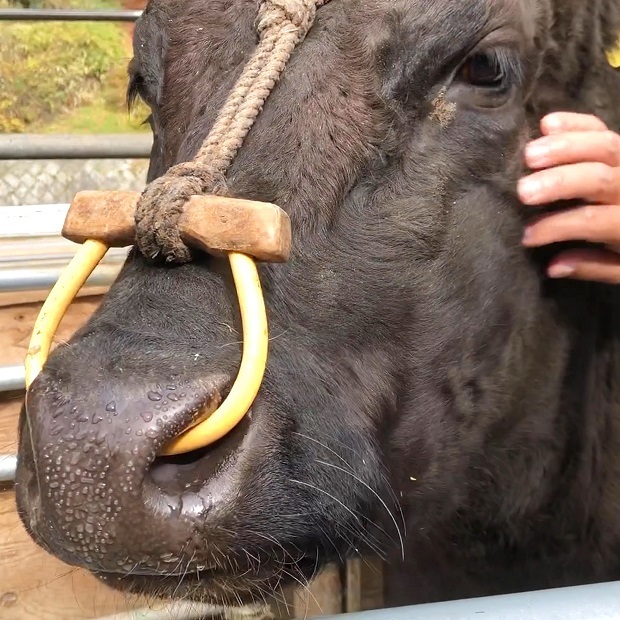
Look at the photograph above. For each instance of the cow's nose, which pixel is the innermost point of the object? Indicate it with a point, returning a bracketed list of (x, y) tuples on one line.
[(90, 476)]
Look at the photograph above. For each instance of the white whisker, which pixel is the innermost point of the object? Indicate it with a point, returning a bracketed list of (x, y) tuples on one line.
[(400, 537), (381, 474)]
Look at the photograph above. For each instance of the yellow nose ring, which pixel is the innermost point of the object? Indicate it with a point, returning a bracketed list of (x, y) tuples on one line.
[(241, 229)]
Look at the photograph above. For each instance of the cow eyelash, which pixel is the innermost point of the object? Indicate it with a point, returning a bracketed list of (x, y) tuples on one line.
[(138, 89), (489, 69), (135, 90)]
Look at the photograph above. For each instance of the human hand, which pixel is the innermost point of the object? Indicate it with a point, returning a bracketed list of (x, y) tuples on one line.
[(577, 157)]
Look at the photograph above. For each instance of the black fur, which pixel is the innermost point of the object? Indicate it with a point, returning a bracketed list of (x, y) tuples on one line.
[(422, 370)]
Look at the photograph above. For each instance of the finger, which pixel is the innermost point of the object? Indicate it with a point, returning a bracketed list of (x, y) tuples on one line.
[(594, 265), (594, 223), (558, 122), (589, 181), (570, 148)]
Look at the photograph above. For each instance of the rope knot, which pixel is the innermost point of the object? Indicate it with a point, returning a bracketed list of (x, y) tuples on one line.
[(161, 206)]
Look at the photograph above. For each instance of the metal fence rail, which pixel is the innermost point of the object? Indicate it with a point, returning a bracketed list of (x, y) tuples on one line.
[(12, 378), (592, 602), (59, 146), (33, 253), (69, 15), (8, 465)]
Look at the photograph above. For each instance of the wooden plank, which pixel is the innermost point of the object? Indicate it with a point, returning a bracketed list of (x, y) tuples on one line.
[(371, 584), (353, 589), (323, 596), (364, 585), (16, 323), (38, 297)]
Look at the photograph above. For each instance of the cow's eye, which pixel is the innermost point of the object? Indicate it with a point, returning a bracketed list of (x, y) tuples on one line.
[(482, 69)]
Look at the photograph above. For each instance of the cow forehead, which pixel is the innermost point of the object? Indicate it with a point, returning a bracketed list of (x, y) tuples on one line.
[(193, 50), (221, 33), (430, 17)]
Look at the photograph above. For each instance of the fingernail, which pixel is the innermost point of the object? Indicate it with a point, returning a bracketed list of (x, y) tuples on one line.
[(528, 188), (553, 122), (527, 236), (561, 270), (536, 153)]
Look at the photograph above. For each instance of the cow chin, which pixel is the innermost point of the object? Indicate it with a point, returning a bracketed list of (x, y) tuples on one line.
[(223, 587)]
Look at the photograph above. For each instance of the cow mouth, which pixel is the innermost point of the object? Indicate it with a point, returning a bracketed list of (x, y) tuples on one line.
[(241, 585)]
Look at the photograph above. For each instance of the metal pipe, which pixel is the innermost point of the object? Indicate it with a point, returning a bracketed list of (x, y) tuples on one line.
[(33, 254), (8, 465), (68, 15), (44, 278), (12, 378), (592, 602), (32, 220), (75, 146)]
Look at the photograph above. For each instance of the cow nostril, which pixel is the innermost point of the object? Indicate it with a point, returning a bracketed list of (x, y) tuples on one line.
[(190, 472), (177, 474)]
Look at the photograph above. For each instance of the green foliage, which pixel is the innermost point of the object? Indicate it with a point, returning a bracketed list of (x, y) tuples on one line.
[(50, 70)]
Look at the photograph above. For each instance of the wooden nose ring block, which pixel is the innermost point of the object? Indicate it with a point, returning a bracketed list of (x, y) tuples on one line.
[(214, 224)]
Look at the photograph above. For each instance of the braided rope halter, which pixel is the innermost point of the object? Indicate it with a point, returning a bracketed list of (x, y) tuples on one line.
[(281, 26)]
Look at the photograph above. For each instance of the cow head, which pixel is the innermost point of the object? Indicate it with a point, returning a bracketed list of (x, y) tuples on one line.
[(407, 330)]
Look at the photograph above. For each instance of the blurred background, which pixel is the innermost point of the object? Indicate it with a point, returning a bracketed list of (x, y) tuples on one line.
[(66, 78)]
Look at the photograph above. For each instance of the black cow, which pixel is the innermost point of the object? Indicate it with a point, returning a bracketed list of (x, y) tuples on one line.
[(429, 394)]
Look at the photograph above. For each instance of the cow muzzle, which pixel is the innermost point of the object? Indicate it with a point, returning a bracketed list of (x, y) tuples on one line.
[(93, 488)]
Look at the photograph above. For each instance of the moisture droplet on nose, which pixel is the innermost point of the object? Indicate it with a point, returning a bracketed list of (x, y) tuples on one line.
[(96, 418), (147, 416), (8, 599), (111, 407), (155, 396)]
